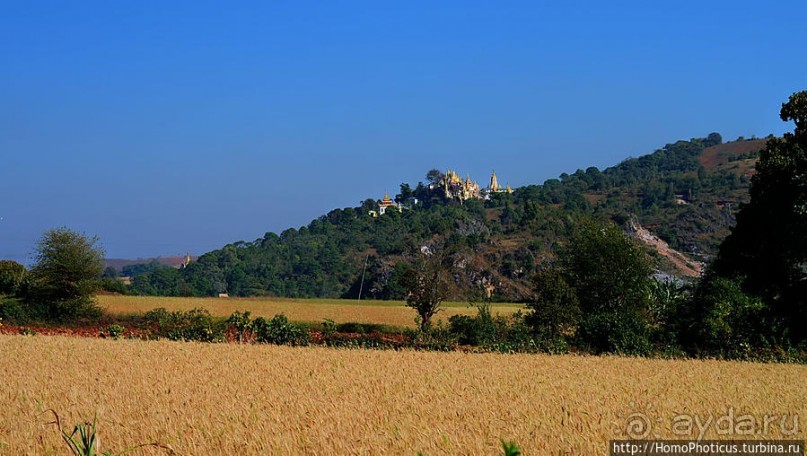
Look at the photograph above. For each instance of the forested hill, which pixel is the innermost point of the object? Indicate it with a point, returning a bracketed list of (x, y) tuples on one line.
[(685, 193)]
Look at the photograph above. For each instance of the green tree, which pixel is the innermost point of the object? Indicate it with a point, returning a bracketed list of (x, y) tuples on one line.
[(767, 249), (722, 319), (609, 274), (713, 139), (428, 284), (607, 269), (434, 176), (11, 276), (405, 195), (65, 274), (555, 308)]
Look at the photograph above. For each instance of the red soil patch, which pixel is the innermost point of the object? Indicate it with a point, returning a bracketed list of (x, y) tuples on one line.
[(89, 331), (231, 336), (720, 154), (382, 338)]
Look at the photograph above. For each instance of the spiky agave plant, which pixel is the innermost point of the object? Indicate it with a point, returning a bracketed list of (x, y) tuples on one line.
[(84, 441)]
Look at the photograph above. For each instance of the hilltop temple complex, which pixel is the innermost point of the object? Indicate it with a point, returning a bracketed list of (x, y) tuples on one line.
[(454, 187), (451, 186)]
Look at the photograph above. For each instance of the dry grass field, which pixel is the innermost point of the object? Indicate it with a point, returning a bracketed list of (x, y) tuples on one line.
[(392, 313), (229, 399)]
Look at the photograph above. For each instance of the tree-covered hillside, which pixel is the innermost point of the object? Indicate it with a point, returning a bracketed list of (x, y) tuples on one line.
[(686, 193)]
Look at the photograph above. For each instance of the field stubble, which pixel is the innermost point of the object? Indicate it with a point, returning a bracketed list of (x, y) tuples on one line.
[(234, 399)]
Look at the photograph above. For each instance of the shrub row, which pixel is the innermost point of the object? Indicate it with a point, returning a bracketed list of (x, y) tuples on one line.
[(199, 325)]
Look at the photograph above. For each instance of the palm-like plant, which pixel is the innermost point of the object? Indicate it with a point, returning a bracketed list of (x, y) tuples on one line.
[(84, 441)]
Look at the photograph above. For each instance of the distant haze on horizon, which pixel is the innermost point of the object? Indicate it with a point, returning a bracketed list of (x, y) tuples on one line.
[(174, 127)]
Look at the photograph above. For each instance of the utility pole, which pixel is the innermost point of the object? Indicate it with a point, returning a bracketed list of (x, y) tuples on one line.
[(361, 284)]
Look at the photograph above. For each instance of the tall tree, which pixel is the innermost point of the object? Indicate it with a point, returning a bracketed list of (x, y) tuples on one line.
[(607, 269), (610, 274), (555, 309), (65, 275), (767, 249), (428, 284)]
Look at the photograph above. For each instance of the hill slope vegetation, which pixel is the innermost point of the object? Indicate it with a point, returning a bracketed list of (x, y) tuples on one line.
[(685, 194)]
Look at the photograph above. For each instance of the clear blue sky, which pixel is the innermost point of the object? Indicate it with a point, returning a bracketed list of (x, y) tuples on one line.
[(173, 126)]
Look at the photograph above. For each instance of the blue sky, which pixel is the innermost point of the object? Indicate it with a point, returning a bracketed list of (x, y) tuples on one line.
[(166, 127)]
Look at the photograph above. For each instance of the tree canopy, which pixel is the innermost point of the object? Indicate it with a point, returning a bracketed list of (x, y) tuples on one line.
[(767, 249), (11, 275), (427, 281), (501, 239), (606, 268), (68, 265), (609, 275)]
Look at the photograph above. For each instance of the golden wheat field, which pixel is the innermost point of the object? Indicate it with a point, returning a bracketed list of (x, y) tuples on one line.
[(206, 399), (393, 313)]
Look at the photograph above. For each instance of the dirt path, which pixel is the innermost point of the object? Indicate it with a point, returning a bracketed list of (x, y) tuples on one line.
[(688, 267)]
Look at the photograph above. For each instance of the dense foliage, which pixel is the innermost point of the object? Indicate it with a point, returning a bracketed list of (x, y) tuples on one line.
[(64, 277), (11, 276), (766, 252), (560, 247), (609, 274), (428, 284), (347, 252)]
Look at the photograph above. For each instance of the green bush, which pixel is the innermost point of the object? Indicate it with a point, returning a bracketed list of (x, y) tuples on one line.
[(722, 320), (113, 331), (466, 328), (14, 311), (480, 330), (329, 328), (555, 309), (195, 324), (616, 332), (280, 331), (518, 331), (241, 322), (78, 308), (499, 333), (11, 276), (514, 335), (554, 346), (439, 338)]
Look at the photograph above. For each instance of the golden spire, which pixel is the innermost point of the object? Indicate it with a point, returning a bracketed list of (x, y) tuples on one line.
[(494, 182), (386, 201)]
